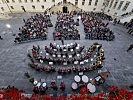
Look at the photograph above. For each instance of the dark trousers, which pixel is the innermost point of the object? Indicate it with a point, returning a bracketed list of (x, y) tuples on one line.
[(1, 38), (131, 47), (62, 42)]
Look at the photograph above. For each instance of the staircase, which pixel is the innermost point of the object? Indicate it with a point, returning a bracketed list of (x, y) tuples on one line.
[(58, 7)]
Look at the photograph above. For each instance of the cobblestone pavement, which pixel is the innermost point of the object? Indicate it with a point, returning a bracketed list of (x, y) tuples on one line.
[(14, 61)]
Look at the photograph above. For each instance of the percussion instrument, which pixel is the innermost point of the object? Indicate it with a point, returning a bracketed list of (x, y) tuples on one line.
[(35, 82), (74, 86), (85, 79), (44, 85), (77, 78), (91, 88)]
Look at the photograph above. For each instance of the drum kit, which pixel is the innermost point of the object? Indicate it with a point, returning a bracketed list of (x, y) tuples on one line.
[(38, 84), (83, 78)]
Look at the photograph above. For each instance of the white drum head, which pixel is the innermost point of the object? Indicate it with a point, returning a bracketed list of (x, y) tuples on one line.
[(74, 86), (44, 84), (91, 88), (35, 82), (39, 84), (85, 78), (77, 78)]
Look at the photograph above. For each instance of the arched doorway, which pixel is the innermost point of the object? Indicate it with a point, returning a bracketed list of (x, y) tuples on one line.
[(64, 9)]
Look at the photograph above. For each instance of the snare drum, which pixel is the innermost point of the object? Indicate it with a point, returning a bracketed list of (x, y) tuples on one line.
[(74, 86), (91, 88), (38, 84), (85, 79), (35, 82), (44, 85), (77, 78)]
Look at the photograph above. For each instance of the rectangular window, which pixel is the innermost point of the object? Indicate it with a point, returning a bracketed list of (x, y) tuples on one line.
[(53, 0), (31, 0), (42, 6), (7, 1), (120, 5), (83, 2), (90, 2), (13, 0), (25, 1), (76, 2), (3, 1), (19, 1), (111, 3), (33, 7), (107, 3), (12, 7), (96, 2), (2, 8), (94, 9), (126, 6), (115, 4)]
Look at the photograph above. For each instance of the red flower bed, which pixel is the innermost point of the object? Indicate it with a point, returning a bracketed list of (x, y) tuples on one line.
[(114, 94)]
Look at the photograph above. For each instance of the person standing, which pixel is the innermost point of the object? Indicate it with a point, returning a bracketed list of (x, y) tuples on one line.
[(131, 47), (1, 38), (62, 41)]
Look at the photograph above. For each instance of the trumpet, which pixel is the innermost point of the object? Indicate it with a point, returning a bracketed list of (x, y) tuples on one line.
[(101, 54), (99, 58), (99, 62), (101, 50), (94, 64)]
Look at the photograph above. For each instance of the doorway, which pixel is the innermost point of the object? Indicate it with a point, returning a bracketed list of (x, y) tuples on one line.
[(64, 9)]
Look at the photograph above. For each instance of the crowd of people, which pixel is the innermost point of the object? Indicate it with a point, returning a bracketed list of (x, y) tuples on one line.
[(102, 15), (46, 56), (34, 28), (95, 28), (65, 28), (39, 59), (129, 26)]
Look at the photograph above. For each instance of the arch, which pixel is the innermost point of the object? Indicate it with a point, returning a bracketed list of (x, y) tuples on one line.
[(64, 9)]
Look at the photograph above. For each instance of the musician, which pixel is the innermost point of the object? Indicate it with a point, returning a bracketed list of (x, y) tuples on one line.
[(62, 86), (74, 69), (35, 90), (59, 70), (52, 68), (37, 67), (53, 85)]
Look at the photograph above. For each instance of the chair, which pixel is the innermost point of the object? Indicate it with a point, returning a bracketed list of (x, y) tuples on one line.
[(59, 56), (76, 62), (42, 80), (50, 63), (82, 62), (70, 56), (64, 63)]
